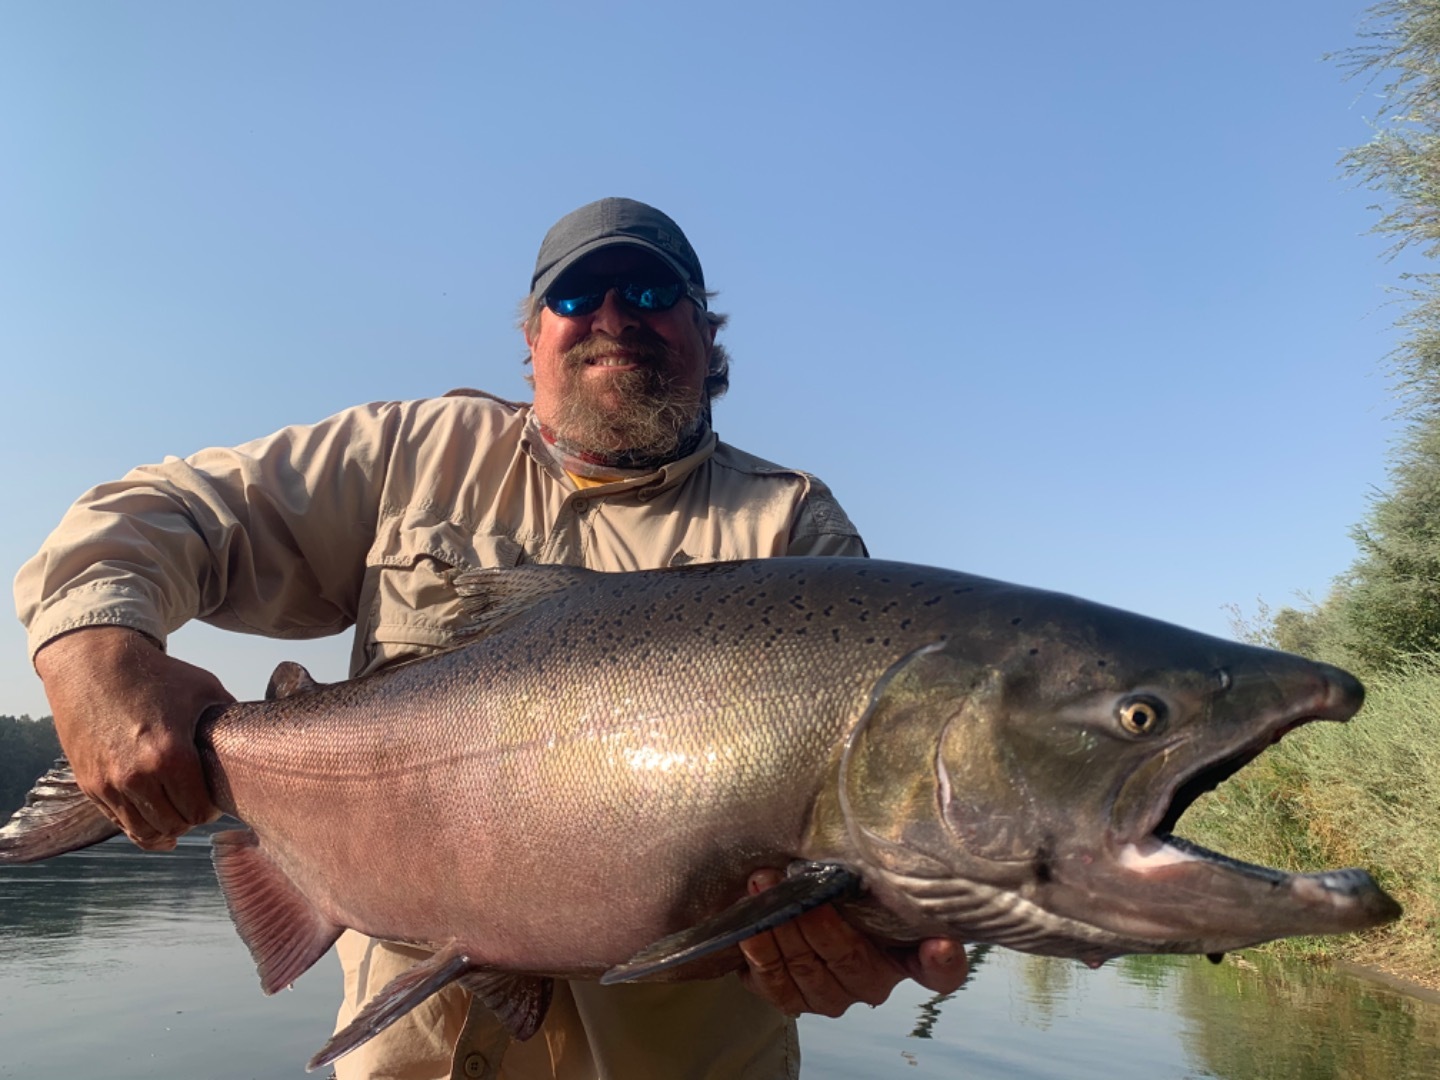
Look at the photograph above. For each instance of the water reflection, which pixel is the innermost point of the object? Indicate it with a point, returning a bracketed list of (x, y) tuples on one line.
[(1050, 990), (929, 1013), (52, 908), (125, 964), (930, 1010), (1333, 1026), (1030, 1018)]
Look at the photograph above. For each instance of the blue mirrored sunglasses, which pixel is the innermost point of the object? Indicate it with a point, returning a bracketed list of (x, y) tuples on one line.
[(575, 298)]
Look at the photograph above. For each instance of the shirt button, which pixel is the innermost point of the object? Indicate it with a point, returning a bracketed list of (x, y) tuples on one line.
[(474, 1064), (580, 506)]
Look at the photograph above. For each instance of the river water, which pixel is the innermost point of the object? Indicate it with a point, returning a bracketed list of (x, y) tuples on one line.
[(123, 965)]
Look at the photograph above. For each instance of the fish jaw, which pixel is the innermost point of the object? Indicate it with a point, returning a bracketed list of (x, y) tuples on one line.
[(1262, 903)]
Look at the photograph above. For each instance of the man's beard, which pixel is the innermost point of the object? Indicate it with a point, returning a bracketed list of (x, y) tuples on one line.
[(647, 412)]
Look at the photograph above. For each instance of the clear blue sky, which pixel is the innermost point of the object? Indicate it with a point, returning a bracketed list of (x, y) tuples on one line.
[(1068, 294)]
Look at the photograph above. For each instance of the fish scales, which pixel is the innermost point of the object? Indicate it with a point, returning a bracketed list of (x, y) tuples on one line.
[(549, 742)]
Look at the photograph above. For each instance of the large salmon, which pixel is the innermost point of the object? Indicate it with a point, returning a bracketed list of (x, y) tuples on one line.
[(582, 787)]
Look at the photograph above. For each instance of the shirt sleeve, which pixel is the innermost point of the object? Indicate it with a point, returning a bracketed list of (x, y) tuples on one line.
[(269, 537), (822, 528)]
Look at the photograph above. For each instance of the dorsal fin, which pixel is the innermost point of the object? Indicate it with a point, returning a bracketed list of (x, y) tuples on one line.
[(492, 597), (289, 678)]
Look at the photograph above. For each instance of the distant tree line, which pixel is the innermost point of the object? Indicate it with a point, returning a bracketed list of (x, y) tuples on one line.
[(27, 748), (1386, 608)]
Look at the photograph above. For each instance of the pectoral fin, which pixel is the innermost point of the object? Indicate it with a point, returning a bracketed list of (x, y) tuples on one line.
[(399, 996), (808, 886), (520, 1001)]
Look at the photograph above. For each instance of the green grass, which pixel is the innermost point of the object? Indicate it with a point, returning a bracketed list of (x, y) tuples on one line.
[(1367, 794)]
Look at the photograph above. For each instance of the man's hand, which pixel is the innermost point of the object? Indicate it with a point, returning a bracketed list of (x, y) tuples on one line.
[(820, 963), (126, 713)]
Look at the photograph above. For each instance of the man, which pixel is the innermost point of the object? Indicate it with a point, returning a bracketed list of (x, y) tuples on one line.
[(358, 520)]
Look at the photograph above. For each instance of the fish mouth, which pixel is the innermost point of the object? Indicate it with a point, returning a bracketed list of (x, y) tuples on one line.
[(1159, 849), (1161, 856), (1210, 776)]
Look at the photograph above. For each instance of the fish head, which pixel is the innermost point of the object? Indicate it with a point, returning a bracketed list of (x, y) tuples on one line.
[(1023, 786)]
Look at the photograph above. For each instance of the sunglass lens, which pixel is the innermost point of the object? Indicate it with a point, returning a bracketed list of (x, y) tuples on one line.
[(651, 297), (571, 306)]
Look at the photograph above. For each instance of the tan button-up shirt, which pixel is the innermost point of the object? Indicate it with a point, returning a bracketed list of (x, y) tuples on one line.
[(355, 521)]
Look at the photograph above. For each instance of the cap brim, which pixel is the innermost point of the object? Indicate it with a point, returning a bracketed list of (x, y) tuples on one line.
[(548, 278)]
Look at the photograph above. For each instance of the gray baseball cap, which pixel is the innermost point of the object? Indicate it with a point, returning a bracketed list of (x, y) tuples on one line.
[(611, 223)]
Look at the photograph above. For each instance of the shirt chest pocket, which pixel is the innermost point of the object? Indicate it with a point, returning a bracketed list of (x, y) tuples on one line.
[(408, 604)]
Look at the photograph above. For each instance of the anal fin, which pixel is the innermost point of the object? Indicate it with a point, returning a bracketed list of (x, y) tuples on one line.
[(520, 1002), (808, 886), (284, 932)]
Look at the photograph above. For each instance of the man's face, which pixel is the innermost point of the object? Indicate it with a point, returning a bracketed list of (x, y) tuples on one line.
[(619, 378)]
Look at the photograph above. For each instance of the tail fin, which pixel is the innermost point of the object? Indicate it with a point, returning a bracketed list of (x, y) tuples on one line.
[(57, 817)]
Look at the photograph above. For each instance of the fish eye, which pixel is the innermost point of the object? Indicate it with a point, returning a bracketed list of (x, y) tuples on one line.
[(1141, 714)]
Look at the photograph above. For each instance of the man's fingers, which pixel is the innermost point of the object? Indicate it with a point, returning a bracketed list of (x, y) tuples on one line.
[(147, 810), (149, 821), (767, 976), (133, 823), (137, 800), (818, 962), (855, 966), (185, 791), (818, 987)]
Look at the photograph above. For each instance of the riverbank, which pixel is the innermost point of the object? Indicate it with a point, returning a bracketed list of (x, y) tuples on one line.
[(1362, 794)]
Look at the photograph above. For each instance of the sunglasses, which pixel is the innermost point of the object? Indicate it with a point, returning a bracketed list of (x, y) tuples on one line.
[(572, 299)]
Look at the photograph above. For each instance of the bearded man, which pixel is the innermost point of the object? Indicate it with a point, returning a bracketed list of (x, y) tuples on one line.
[(359, 520)]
